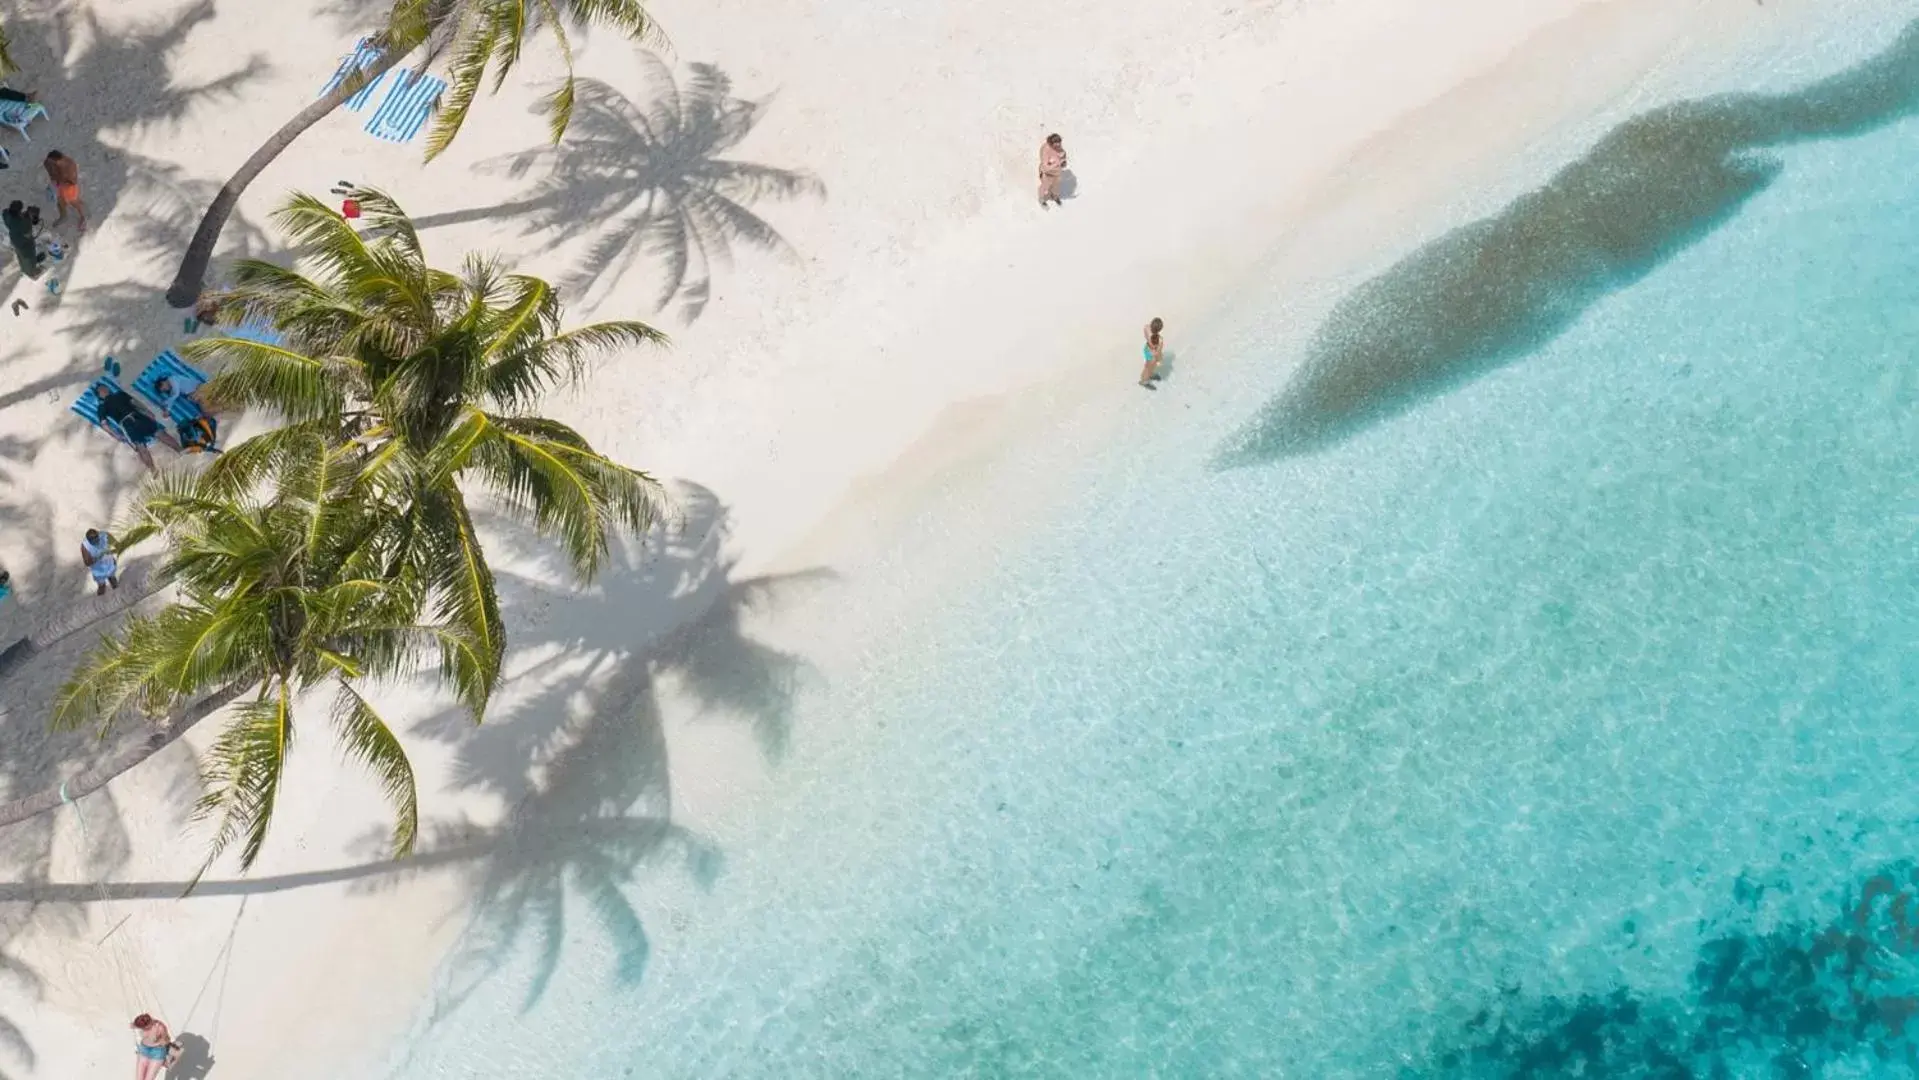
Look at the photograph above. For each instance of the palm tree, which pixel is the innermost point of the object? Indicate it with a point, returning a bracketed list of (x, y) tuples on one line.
[(7, 66), (285, 588), (481, 41), (339, 548), (434, 374)]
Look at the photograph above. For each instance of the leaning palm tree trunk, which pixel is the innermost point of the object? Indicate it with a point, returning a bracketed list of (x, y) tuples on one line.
[(188, 283), (129, 757)]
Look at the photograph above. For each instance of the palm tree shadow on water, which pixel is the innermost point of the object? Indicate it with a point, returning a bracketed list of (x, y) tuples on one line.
[(1795, 999), (583, 761), (1498, 289), (650, 181)]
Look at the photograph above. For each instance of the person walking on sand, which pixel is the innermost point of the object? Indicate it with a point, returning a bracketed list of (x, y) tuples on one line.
[(1052, 162), (1155, 352), (96, 552), (20, 234), (64, 172), (155, 1049)]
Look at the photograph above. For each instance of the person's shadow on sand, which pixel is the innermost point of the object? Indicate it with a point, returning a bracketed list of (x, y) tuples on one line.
[(196, 1058)]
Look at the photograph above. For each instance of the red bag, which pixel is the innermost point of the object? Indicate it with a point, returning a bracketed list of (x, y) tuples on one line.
[(350, 209)]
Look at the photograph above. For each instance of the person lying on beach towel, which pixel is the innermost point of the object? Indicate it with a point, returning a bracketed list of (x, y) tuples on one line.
[(166, 390), (140, 426)]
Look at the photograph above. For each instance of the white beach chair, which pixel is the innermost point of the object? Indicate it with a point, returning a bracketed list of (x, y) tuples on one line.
[(18, 114)]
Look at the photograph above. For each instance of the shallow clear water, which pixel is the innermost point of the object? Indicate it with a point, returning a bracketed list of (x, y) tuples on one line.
[(1544, 708)]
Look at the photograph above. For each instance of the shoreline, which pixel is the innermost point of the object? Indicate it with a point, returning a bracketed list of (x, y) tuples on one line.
[(802, 490), (1371, 205)]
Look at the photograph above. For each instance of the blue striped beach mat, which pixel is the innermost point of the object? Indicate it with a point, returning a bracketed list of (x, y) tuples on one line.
[(185, 379), (88, 407), (364, 56), (406, 107)]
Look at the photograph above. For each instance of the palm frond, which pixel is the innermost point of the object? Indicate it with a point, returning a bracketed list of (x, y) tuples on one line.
[(324, 236), (558, 105), (108, 681), (466, 77), (472, 635), (370, 740), (260, 375), (550, 473), (242, 773), (626, 16)]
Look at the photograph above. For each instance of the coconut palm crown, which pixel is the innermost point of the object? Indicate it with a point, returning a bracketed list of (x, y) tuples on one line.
[(283, 592), (435, 375)]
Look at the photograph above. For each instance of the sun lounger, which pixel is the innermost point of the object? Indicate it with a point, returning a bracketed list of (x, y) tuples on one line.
[(89, 409), (185, 379), (364, 56), (407, 105), (18, 114)]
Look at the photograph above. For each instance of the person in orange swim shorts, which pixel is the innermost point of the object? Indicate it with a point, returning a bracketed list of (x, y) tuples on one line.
[(65, 174)]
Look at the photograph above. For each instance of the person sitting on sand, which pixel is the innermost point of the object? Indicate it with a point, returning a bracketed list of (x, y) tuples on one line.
[(1052, 162), (1154, 351), (140, 427), (155, 1049), (205, 313)]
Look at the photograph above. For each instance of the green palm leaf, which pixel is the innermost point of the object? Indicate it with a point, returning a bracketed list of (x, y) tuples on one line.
[(242, 774), (369, 740)]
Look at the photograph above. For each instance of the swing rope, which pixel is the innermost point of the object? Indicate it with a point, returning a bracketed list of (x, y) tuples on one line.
[(134, 989)]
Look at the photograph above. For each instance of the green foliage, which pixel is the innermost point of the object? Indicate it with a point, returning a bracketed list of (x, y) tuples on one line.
[(338, 550), (285, 587), (482, 40)]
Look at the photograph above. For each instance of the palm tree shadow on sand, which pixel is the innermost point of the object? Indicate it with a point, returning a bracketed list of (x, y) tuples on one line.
[(1499, 289), (580, 760), (583, 760), (650, 182)]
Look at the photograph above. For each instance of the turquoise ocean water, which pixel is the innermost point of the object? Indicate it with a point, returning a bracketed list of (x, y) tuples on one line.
[(1529, 688)]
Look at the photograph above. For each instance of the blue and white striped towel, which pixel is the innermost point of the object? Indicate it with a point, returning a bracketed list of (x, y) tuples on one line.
[(364, 56), (406, 107)]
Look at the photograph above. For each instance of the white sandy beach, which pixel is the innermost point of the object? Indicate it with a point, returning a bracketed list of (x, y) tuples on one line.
[(918, 317)]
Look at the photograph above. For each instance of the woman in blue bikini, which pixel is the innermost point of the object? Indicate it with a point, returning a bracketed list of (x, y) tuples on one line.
[(156, 1049), (1154, 350)]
